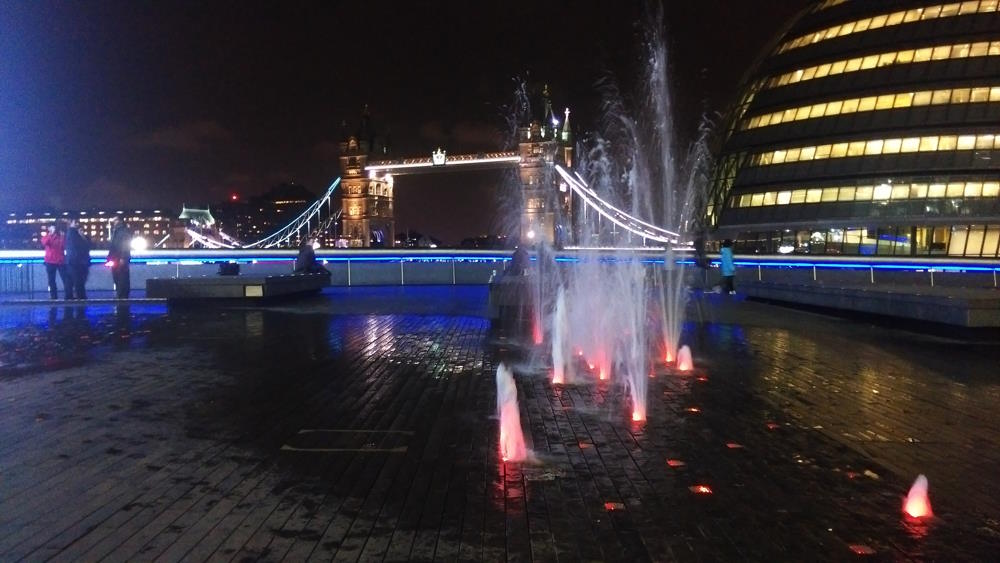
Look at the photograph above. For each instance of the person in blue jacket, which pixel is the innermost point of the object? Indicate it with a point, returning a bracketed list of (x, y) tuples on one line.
[(727, 267)]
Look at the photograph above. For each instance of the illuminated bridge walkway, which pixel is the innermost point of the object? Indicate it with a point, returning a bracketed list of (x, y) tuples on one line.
[(358, 426)]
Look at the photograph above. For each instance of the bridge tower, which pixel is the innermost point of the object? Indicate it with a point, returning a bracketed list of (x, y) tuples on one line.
[(543, 142), (367, 217)]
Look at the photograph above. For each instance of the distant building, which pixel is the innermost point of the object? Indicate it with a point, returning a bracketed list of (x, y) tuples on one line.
[(25, 230), (195, 228), (868, 128), (249, 220)]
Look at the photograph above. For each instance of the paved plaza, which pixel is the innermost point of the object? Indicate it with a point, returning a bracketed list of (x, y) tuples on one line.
[(359, 425)]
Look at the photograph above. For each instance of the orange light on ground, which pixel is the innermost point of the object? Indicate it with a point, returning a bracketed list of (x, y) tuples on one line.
[(694, 410), (637, 416), (602, 376), (675, 463), (700, 489), (684, 366), (859, 549), (701, 378), (557, 379), (773, 426), (734, 446), (918, 503)]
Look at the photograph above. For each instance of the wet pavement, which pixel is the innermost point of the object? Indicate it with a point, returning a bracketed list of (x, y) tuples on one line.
[(358, 425)]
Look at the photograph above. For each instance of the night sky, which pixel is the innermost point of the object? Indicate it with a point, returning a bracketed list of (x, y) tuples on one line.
[(145, 104)]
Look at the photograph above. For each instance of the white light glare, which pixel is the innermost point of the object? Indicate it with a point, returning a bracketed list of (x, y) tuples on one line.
[(139, 244)]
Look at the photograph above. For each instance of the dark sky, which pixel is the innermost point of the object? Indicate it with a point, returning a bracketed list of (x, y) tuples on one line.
[(157, 103)]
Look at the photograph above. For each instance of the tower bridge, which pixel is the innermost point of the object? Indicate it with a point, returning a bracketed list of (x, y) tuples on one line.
[(547, 189), (544, 141)]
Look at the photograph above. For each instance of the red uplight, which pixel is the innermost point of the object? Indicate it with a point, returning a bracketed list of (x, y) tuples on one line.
[(773, 426), (612, 506), (693, 409), (733, 446), (702, 378), (636, 416), (234, 197), (675, 463), (918, 502), (859, 549), (701, 489), (110, 263)]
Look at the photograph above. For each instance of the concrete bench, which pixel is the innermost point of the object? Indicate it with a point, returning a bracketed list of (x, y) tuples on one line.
[(235, 287)]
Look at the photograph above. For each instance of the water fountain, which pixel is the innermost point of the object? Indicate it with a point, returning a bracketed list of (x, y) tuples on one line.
[(512, 446), (684, 361), (918, 503), (561, 355), (609, 307)]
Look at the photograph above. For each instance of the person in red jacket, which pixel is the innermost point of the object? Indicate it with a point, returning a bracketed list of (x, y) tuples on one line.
[(54, 242)]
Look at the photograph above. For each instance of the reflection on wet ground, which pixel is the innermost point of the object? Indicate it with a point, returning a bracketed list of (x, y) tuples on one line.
[(38, 338), (358, 425)]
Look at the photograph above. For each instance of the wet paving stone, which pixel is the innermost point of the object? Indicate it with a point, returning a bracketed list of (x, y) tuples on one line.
[(314, 430)]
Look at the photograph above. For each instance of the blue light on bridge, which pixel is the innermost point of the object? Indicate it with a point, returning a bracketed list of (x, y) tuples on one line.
[(155, 258)]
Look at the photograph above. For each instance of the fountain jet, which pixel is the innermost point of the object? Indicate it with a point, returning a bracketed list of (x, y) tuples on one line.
[(512, 446), (918, 503)]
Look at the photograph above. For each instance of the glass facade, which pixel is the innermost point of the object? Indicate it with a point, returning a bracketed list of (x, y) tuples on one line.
[(979, 241), (870, 129)]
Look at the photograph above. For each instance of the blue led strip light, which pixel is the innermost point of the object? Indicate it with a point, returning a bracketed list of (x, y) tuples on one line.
[(22, 257)]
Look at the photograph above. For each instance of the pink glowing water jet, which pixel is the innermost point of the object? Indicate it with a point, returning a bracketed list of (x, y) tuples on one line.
[(536, 332), (512, 446), (684, 361), (918, 503)]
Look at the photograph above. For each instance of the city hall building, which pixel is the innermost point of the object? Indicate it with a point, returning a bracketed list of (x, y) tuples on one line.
[(868, 127)]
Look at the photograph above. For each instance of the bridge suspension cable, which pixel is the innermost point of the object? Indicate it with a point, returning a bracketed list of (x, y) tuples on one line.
[(617, 216), (308, 220)]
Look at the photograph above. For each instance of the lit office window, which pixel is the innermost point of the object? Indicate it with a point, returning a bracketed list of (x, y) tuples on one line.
[(908, 56), (982, 94), (881, 192), (890, 20), (927, 143)]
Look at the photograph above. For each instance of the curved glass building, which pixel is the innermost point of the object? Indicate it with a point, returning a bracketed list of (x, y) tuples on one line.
[(868, 127)]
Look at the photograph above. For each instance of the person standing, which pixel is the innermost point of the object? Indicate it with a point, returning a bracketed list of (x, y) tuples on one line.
[(119, 256), (55, 261), (727, 267), (77, 259)]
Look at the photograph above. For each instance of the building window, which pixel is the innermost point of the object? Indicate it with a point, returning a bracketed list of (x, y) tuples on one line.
[(907, 56)]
